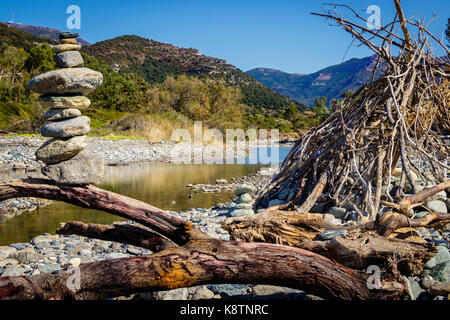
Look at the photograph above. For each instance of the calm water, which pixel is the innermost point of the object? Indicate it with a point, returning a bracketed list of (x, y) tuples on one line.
[(157, 184)]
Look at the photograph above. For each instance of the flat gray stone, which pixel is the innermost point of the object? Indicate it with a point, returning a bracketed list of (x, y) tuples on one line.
[(85, 168), (81, 81), (245, 206), (437, 206), (67, 128), (49, 268), (61, 102), (441, 272), (245, 188), (442, 256), (57, 150), (69, 59), (331, 234), (66, 47), (60, 114), (241, 212)]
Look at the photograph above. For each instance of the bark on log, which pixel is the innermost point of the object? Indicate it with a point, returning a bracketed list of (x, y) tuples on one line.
[(206, 262), (118, 232), (361, 250)]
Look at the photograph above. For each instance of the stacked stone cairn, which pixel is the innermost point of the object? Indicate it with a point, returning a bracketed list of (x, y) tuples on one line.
[(64, 92), (244, 197)]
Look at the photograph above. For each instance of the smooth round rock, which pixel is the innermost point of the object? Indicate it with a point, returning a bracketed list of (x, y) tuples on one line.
[(75, 81), (59, 102), (245, 188), (245, 206), (244, 198), (437, 206), (69, 59), (66, 47), (58, 150), (85, 168), (78, 126), (59, 114), (331, 234)]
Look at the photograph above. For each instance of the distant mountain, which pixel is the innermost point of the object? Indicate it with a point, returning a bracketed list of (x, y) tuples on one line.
[(49, 33), (154, 61), (330, 82)]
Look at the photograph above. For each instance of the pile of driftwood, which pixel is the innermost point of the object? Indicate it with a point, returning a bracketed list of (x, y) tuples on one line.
[(402, 115)]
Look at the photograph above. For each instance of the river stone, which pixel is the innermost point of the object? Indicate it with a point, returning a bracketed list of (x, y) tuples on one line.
[(6, 251), (331, 234), (58, 150), (245, 188), (70, 102), (69, 59), (67, 128), (442, 256), (437, 206), (80, 81), (68, 41), (60, 114), (275, 202), (337, 212), (68, 35), (441, 272), (66, 47), (49, 268), (244, 198), (245, 206), (241, 212), (84, 168)]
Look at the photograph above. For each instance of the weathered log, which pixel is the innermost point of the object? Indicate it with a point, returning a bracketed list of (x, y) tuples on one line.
[(405, 204), (361, 250), (166, 224), (205, 262), (118, 232), (281, 227)]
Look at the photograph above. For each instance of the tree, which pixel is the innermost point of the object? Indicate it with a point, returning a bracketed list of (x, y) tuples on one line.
[(40, 60), (321, 109)]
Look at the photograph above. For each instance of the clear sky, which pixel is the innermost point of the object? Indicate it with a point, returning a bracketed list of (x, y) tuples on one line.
[(279, 34)]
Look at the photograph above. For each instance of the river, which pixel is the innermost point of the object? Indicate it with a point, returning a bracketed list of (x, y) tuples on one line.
[(156, 183)]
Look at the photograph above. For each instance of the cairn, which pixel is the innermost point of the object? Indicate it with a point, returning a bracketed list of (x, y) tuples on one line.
[(64, 91), (244, 198)]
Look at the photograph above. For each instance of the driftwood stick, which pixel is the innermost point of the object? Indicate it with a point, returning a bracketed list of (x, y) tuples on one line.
[(203, 262), (391, 221), (406, 203), (118, 232)]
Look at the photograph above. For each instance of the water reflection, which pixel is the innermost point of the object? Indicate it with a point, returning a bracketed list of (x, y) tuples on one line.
[(158, 184)]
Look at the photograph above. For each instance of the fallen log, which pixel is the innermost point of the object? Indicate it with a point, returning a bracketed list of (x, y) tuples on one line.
[(205, 262), (201, 260)]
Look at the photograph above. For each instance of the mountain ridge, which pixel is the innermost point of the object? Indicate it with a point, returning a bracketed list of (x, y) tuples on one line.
[(330, 82)]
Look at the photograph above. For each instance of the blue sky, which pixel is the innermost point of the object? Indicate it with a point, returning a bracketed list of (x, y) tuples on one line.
[(277, 34)]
